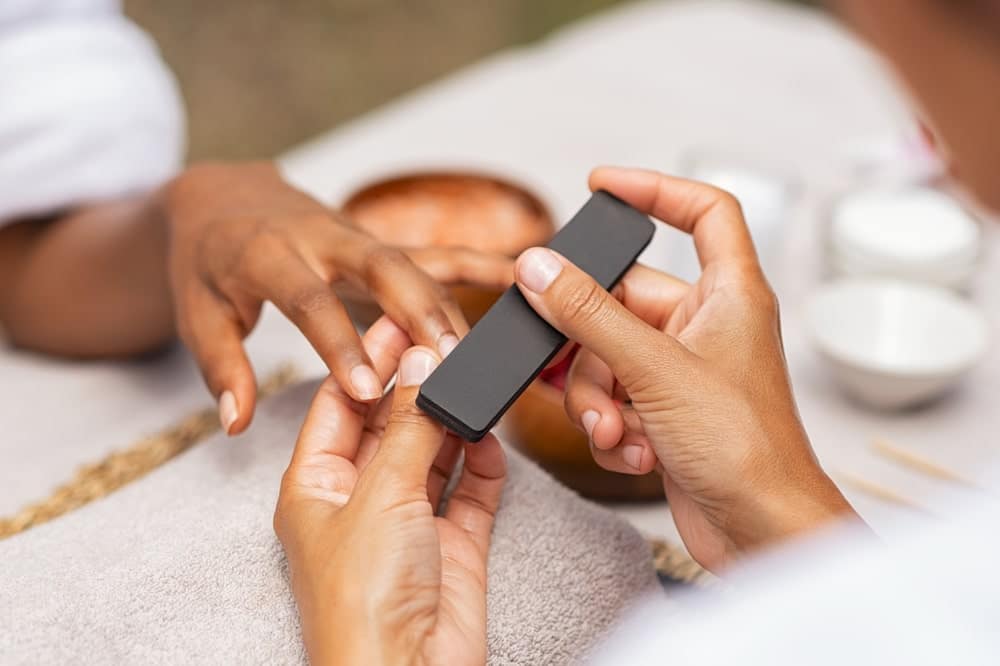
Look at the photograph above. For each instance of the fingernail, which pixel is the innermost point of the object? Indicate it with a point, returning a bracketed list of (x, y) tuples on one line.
[(632, 455), (365, 382), (229, 412), (340, 499), (590, 419), (416, 367), (537, 268), (447, 343)]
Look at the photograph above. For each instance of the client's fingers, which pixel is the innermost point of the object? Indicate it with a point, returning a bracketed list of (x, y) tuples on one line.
[(473, 505), (215, 338), (460, 265), (406, 293), (312, 305)]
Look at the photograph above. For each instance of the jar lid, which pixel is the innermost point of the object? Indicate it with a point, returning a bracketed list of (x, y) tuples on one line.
[(917, 227)]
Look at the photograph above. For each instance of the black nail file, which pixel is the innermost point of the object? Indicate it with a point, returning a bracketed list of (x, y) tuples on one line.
[(510, 345)]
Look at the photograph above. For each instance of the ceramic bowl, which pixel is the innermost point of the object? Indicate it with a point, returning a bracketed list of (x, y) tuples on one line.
[(894, 344)]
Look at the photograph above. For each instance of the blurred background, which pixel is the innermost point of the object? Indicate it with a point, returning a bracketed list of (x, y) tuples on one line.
[(259, 77)]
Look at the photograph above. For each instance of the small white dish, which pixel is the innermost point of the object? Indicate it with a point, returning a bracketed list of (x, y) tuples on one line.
[(895, 344)]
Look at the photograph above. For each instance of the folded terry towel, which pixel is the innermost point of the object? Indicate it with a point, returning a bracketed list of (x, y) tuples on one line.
[(183, 566)]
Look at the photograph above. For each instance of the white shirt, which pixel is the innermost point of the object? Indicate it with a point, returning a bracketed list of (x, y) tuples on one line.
[(926, 596), (88, 111)]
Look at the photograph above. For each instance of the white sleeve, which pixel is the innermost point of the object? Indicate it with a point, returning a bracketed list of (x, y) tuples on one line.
[(89, 110), (931, 597)]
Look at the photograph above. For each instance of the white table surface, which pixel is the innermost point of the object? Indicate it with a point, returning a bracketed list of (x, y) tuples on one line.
[(643, 85)]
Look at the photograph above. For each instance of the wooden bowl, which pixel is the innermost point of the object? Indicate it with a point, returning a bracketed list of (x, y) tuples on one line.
[(538, 424), (444, 209), (489, 214)]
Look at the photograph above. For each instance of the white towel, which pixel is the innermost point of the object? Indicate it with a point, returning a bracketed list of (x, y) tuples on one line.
[(182, 566), (88, 111)]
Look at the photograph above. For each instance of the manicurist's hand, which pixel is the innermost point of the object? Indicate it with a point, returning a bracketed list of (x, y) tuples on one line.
[(239, 235), (689, 379), (378, 577)]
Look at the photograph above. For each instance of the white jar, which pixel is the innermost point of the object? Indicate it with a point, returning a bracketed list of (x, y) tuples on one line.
[(916, 234)]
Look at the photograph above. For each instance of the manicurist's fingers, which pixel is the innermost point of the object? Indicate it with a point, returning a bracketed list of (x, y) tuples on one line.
[(650, 294), (712, 216), (571, 301), (589, 400), (628, 457), (474, 503), (411, 440), (335, 420), (441, 470), (378, 417)]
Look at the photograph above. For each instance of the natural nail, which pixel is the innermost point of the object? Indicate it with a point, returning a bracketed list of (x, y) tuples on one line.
[(590, 419), (538, 268), (632, 455), (447, 343), (365, 382), (340, 499), (229, 411), (417, 366)]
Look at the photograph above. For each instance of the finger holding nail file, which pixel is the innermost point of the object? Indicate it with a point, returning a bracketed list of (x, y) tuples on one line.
[(480, 379)]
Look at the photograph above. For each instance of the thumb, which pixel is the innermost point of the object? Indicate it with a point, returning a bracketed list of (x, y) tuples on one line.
[(411, 439), (572, 302)]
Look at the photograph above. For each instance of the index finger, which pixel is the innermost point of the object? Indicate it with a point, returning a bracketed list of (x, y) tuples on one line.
[(405, 292), (464, 266), (712, 216), (311, 304)]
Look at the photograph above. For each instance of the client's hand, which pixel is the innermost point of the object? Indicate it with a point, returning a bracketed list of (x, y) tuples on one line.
[(698, 372), (379, 578), (240, 235)]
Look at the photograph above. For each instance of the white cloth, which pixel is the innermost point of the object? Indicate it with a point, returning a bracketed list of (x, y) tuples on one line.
[(928, 597), (88, 111)]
